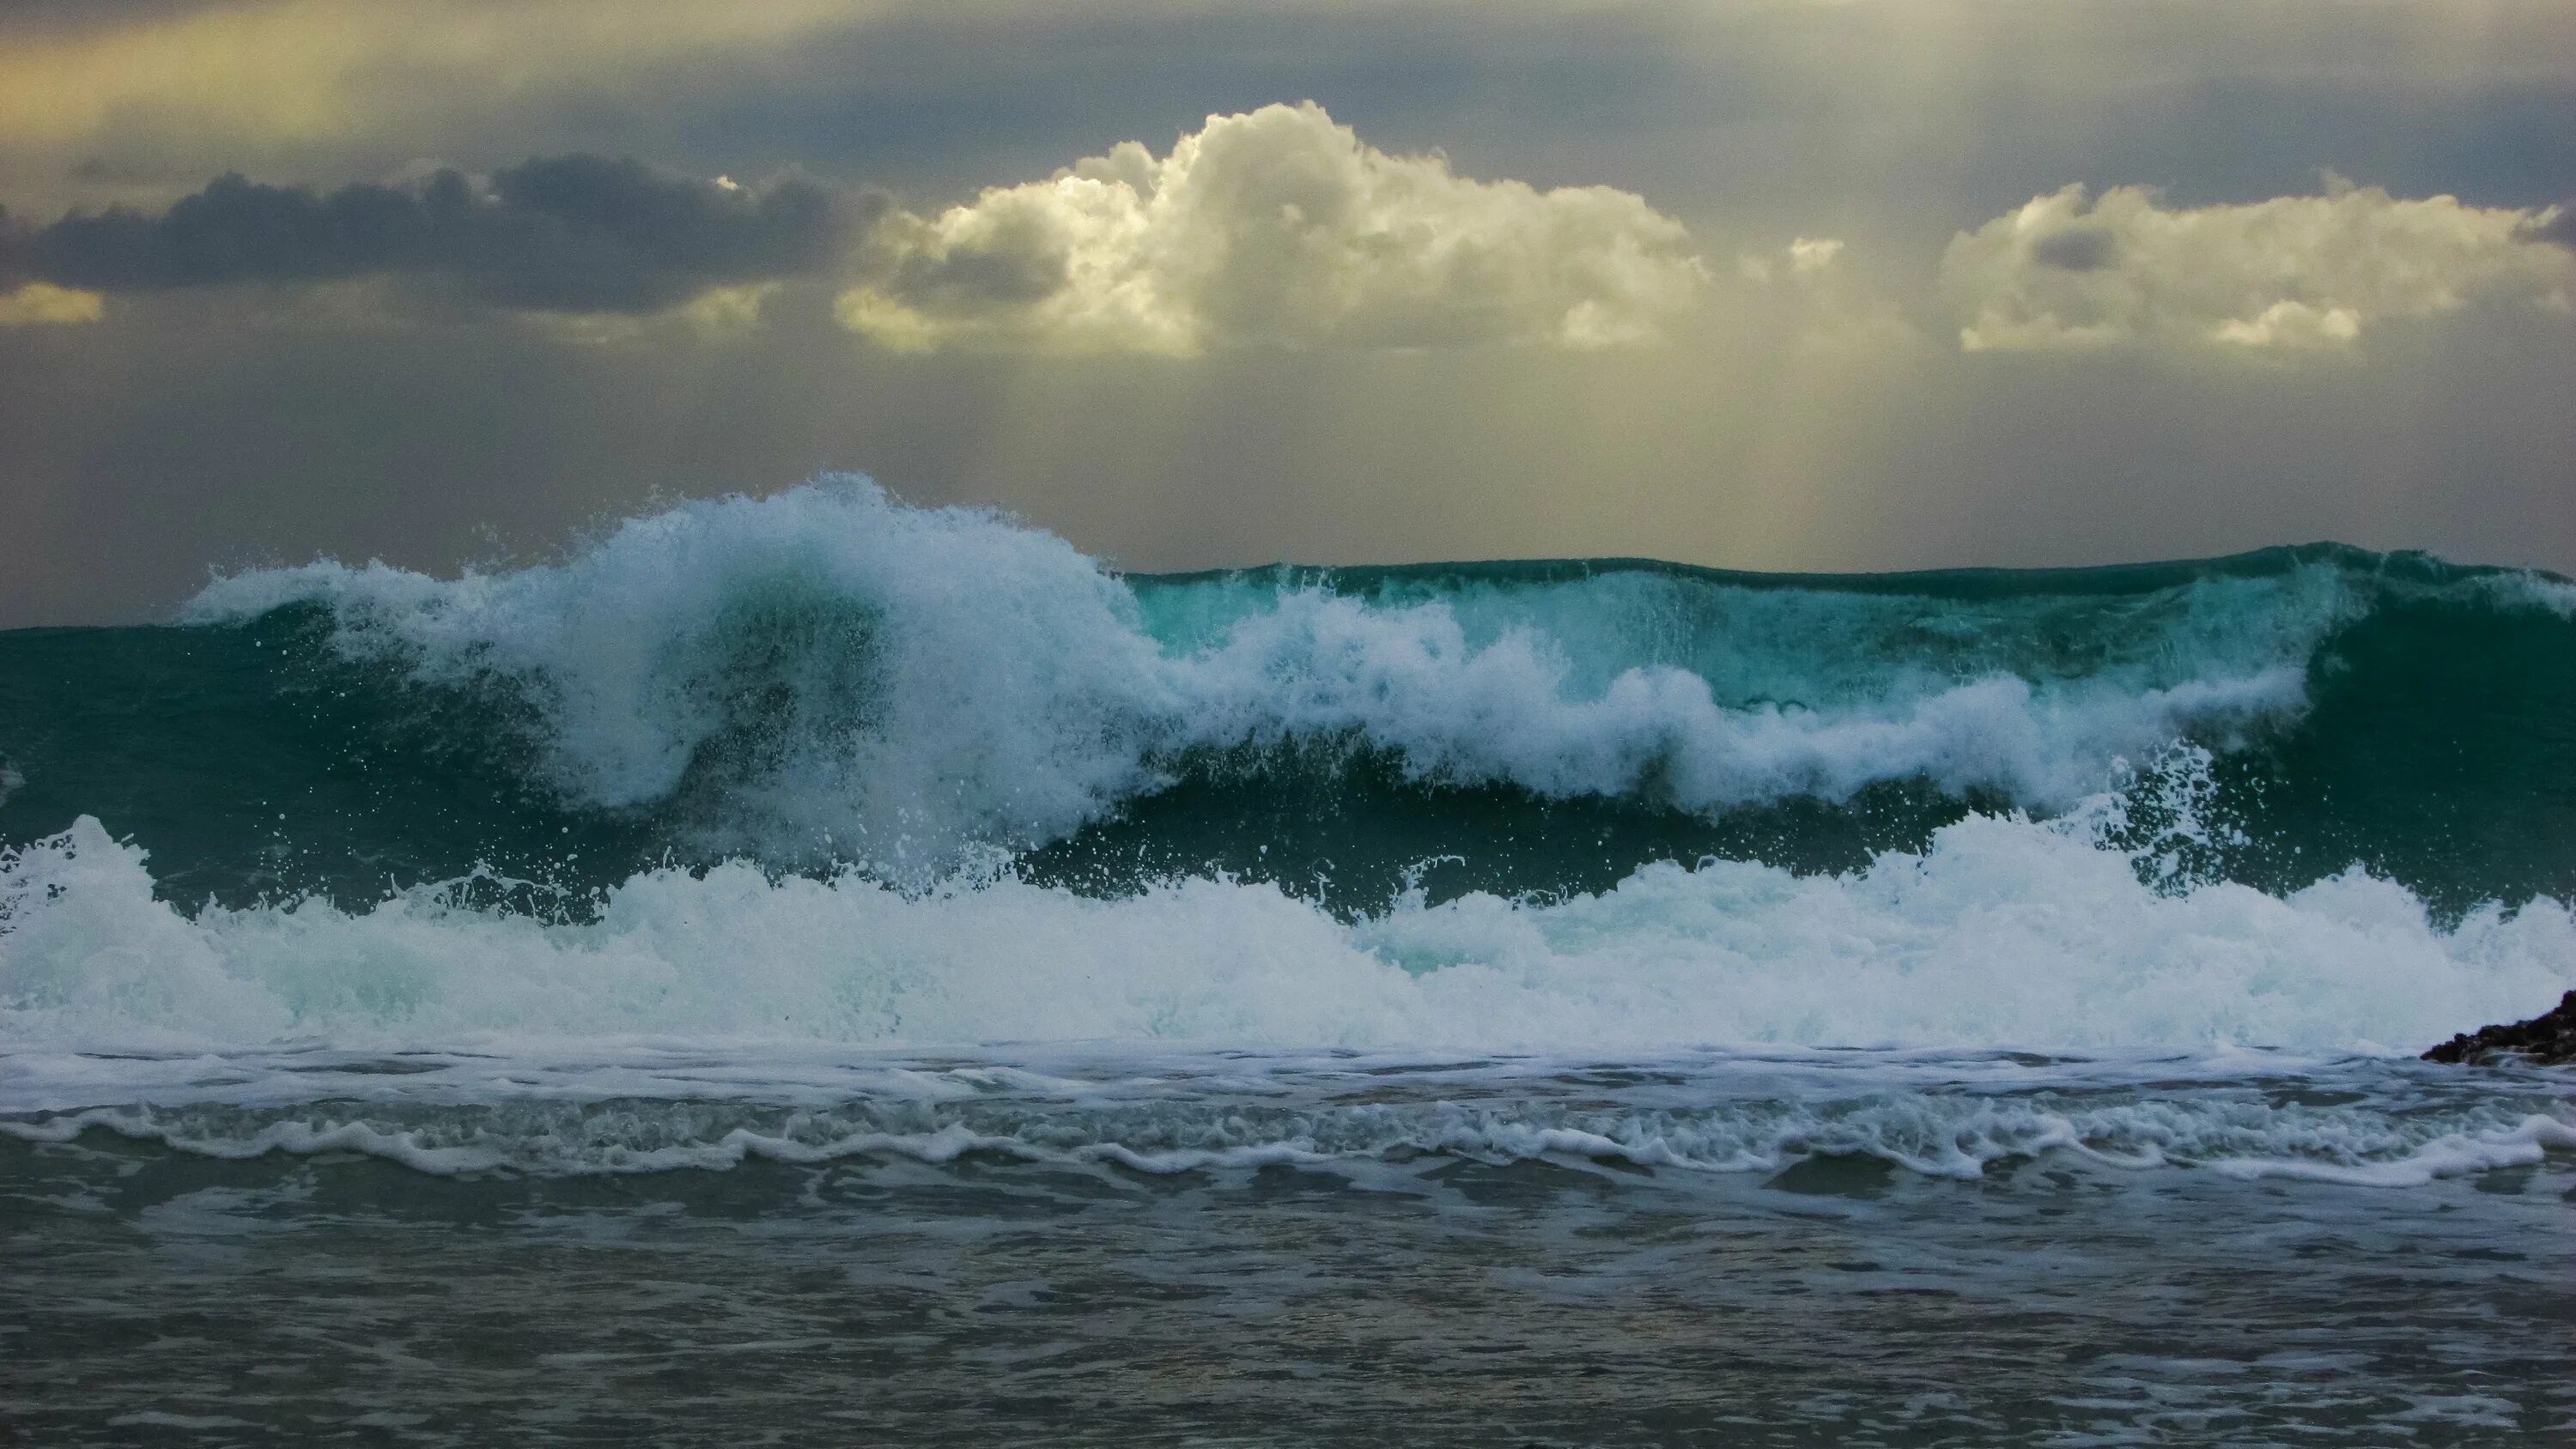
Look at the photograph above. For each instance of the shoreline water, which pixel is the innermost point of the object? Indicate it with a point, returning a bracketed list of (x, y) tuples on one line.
[(1938, 1249)]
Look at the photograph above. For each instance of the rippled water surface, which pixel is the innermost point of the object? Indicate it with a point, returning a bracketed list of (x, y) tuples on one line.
[(664, 1246)]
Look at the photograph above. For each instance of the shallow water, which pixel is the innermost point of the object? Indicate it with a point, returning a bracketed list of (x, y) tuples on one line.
[(669, 1246)]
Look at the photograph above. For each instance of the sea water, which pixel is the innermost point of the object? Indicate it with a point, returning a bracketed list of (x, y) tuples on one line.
[(815, 970)]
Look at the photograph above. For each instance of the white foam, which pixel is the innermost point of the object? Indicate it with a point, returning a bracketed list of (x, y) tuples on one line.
[(907, 686), (2006, 932), (2449, 1154), (913, 678), (1514, 710), (2231, 1130)]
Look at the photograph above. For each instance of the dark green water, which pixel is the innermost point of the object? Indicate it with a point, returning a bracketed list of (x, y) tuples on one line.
[(2434, 740)]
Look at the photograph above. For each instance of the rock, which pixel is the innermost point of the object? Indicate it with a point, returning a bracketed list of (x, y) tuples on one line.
[(2548, 1037)]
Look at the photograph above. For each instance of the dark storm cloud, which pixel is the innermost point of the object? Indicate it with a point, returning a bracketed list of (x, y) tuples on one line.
[(557, 233)]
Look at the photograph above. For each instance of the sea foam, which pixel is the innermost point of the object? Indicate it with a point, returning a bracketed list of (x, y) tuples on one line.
[(642, 1109), (2005, 932)]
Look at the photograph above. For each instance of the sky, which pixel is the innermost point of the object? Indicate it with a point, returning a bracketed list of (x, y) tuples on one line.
[(1766, 284)]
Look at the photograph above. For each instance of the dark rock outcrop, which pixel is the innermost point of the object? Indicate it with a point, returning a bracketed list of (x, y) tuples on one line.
[(2548, 1037)]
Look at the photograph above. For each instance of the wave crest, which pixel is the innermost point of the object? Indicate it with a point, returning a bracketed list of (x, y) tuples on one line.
[(828, 674)]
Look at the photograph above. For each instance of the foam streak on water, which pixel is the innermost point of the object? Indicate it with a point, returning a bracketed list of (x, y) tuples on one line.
[(638, 1108)]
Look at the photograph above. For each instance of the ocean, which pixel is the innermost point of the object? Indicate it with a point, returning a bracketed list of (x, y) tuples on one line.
[(811, 969)]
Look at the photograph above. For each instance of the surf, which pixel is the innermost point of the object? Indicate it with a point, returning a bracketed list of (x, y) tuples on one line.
[(823, 766)]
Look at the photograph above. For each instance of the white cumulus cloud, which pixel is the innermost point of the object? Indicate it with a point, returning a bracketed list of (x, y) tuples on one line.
[(2294, 273), (1282, 228)]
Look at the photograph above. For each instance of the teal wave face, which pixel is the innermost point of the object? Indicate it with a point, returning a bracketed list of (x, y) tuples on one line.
[(826, 680), (252, 761)]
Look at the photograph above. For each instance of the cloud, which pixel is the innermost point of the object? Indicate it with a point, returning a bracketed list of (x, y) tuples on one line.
[(560, 233), (37, 304), (253, 73), (1806, 256), (2292, 274), (1279, 228), (2556, 225)]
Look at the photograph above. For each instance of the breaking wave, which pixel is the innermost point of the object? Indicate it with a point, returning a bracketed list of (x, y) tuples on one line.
[(824, 767)]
